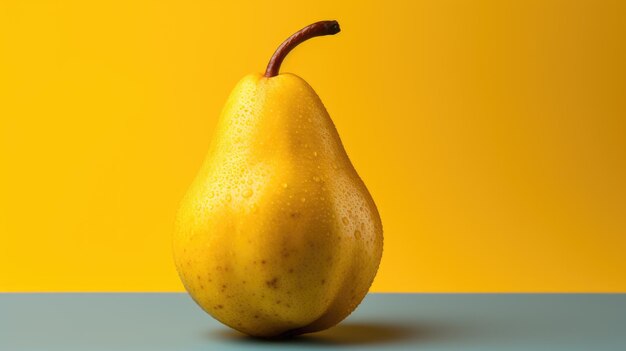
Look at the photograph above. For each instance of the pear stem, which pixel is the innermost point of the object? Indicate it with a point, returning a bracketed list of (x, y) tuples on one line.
[(316, 29)]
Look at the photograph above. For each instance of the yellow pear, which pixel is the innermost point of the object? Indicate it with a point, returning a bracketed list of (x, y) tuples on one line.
[(278, 235)]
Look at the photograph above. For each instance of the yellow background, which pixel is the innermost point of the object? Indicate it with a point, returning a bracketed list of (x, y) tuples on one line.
[(492, 134)]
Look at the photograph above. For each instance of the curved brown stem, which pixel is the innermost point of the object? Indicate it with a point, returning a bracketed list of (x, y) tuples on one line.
[(316, 29)]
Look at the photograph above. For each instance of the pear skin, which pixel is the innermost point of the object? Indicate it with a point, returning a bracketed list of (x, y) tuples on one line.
[(277, 235)]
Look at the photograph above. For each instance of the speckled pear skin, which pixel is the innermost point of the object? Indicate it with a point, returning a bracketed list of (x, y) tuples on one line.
[(277, 235)]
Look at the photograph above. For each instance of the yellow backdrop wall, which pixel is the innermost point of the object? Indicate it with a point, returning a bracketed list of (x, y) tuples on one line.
[(492, 134)]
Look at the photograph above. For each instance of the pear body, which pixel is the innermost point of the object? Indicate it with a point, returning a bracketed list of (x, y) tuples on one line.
[(277, 235)]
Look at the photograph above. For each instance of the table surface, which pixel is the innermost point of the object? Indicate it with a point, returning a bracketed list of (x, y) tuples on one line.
[(426, 322)]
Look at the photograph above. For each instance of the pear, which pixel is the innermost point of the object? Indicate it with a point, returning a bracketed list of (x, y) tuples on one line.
[(277, 235)]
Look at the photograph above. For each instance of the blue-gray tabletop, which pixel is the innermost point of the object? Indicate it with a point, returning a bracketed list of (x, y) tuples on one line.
[(172, 321)]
